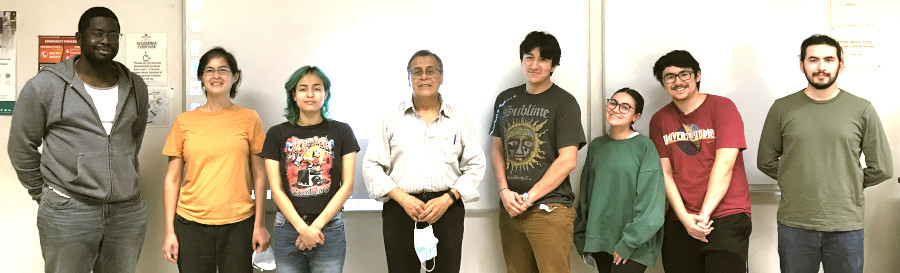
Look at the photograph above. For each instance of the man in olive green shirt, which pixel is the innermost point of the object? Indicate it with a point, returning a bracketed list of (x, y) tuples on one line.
[(811, 143)]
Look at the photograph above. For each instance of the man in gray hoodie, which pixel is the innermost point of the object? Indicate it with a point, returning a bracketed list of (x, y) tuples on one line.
[(89, 113)]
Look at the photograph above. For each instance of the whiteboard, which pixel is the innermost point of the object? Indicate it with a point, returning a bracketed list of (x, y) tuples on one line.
[(364, 46), (748, 52)]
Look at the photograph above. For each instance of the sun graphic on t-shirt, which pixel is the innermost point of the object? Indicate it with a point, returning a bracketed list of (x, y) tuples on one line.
[(522, 144)]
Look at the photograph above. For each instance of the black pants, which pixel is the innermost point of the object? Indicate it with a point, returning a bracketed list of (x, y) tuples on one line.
[(605, 264), (398, 237), (726, 251), (203, 248)]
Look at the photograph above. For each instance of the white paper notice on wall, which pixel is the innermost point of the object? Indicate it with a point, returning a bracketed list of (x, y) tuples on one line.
[(196, 88), (146, 56), (851, 12), (195, 25), (195, 48), (7, 61), (160, 100), (860, 44), (195, 5)]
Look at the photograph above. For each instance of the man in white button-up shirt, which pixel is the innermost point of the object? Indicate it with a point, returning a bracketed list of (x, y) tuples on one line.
[(424, 162)]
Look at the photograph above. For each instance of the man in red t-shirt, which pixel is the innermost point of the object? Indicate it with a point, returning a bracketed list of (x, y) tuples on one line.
[(700, 139)]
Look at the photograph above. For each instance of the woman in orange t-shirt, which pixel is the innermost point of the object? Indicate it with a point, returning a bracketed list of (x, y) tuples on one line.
[(209, 212)]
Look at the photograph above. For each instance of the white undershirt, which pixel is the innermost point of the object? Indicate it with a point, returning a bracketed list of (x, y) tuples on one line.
[(105, 100)]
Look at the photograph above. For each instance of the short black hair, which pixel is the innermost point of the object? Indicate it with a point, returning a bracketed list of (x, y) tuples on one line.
[(424, 53), (820, 39), (229, 58), (546, 44), (95, 12), (676, 58)]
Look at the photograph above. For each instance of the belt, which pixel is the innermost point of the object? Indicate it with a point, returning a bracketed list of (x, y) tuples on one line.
[(425, 196), (308, 217)]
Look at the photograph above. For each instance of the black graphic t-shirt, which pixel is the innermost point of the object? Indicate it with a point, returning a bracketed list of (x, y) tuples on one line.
[(533, 128), (310, 160)]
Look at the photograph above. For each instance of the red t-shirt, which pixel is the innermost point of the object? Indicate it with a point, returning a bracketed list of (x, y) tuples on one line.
[(690, 143)]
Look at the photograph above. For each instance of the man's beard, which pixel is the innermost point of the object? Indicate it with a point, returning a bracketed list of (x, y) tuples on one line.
[(821, 86)]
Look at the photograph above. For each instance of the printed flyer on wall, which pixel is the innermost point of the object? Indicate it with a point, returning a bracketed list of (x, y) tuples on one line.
[(7, 62), (54, 49), (146, 56), (160, 106)]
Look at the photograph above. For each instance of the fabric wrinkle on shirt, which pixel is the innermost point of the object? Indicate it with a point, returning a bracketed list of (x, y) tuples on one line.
[(420, 157)]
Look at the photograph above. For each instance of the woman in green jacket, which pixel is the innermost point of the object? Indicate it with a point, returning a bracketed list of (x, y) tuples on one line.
[(622, 205)]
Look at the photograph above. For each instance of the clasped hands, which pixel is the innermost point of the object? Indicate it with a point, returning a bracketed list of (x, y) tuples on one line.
[(513, 202), (698, 226), (430, 212), (310, 237)]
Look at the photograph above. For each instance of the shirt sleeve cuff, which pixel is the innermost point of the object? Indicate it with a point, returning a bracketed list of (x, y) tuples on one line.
[(379, 188), (624, 250), (467, 191)]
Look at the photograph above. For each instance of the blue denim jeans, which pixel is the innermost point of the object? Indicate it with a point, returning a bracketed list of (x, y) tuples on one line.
[(325, 258), (802, 250), (80, 236)]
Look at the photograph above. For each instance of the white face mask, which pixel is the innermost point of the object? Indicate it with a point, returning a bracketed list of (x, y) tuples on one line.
[(426, 245), (264, 261)]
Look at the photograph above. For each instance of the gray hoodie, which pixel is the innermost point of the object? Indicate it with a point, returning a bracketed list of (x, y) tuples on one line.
[(78, 159)]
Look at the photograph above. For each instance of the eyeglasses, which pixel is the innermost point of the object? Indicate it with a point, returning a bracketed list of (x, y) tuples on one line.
[(431, 72), (112, 35), (221, 71), (624, 108), (683, 75)]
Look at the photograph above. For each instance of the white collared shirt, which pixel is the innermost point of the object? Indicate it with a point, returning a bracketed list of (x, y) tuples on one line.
[(417, 157)]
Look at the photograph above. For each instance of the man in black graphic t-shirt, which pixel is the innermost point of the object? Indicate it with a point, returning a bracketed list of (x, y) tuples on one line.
[(537, 133)]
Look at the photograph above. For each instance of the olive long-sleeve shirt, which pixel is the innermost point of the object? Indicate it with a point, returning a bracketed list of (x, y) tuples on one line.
[(813, 149)]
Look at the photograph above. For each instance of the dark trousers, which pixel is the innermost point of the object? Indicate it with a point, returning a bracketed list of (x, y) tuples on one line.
[(203, 248), (726, 251), (605, 264), (398, 237)]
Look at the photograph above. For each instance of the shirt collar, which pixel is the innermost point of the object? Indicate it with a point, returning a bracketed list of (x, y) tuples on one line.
[(408, 107)]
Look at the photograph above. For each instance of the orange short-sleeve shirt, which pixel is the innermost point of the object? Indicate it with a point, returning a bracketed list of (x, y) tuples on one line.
[(216, 147)]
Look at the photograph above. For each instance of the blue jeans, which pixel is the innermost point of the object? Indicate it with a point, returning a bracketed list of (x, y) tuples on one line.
[(802, 250), (80, 236), (325, 258)]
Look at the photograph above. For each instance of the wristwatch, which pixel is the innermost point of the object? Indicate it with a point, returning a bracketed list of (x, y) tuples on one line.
[(525, 198), (452, 197)]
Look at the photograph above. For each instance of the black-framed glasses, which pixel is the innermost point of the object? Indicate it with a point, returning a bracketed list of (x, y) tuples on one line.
[(431, 72), (624, 108), (683, 75), (112, 35), (221, 71)]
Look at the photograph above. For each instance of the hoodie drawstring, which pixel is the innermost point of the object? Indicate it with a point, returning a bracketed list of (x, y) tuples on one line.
[(137, 104), (63, 106)]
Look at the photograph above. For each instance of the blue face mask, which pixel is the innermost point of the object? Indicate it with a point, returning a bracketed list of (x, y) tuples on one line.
[(426, 245)]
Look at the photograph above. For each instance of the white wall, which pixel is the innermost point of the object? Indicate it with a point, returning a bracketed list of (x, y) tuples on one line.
[(366, 252), (346, 39)]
